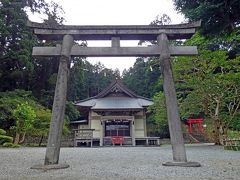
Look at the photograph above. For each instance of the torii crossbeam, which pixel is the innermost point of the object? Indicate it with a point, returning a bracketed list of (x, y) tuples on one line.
[(160, 33)]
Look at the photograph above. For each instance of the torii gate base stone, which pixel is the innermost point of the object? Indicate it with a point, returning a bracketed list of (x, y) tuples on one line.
[(114, 33)]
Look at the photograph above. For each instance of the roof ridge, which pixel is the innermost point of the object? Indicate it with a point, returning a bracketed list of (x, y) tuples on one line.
[(115, 83)]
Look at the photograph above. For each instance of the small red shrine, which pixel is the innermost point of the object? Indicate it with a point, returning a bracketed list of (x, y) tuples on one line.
[(191, 122)]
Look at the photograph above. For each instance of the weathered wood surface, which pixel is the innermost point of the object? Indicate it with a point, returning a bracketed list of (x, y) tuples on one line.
[(58, 111), (124, 32), (179, 153), (115, 51)]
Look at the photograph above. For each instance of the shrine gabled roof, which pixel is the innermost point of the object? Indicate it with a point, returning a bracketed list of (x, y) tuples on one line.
[(105, 100), (116, 86)]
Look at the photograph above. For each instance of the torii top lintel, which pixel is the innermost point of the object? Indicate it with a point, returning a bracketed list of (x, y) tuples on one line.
[(106, 32)]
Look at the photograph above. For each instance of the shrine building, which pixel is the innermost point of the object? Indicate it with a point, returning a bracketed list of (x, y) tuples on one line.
[(114, 116)]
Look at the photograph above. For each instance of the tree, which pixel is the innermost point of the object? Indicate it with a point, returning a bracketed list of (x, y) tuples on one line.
[(87, 80), (158, 112), (144, 77), (220, 23), (18, 70), (25, 116), (41, 124), (16, 42), (71, 112), (44, 76), (217, 16), (8, 103), (206, 84), (12, 102)]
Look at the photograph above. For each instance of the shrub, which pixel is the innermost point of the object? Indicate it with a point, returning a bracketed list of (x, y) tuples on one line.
[(9, 144), (2, 132), (4, 139), (234, 148)]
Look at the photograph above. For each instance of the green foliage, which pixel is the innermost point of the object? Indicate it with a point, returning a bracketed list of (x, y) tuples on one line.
[(88, 80), (71, 111), (8, 103), (66, 130), (217, 16), (11, 145), (24, 115), (159, 115), (209, 84), (41, 124), (159, 108), (18, 70), (4, 139), (21, 113), (229, 42), (233, 134), (2, 132), (16, 42), (220, 28), (144, 77), (234, 148), (235, 123)]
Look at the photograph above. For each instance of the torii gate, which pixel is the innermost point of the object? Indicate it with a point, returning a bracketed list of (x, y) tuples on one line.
[(161, 33)]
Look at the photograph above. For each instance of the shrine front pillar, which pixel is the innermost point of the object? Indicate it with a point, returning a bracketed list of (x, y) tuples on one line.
[(133, 133)]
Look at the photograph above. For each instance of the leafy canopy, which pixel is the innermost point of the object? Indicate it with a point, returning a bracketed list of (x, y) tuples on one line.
[(217, 16)]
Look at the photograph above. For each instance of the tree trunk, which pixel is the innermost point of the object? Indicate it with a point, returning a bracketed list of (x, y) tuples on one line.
[(17, 138), (216, 130), (23, 138), (216, 123), (40, 142), (205, 104)]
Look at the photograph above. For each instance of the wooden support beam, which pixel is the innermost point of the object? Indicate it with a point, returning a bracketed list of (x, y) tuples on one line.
[(124, 34), (115, 51)]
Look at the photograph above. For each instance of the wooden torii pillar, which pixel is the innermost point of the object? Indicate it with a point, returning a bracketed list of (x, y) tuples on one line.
[(161, 33)]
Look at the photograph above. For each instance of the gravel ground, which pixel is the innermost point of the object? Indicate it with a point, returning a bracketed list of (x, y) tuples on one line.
[(121, 163)]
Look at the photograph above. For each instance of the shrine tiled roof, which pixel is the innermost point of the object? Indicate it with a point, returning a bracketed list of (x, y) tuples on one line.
[(114, 97), (116, 103)]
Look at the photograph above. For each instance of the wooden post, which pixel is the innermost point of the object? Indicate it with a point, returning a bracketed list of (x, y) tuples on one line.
[(115, 41), (101, 133), (133, 132), (174, 123), (57, 120), (179, 153)]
